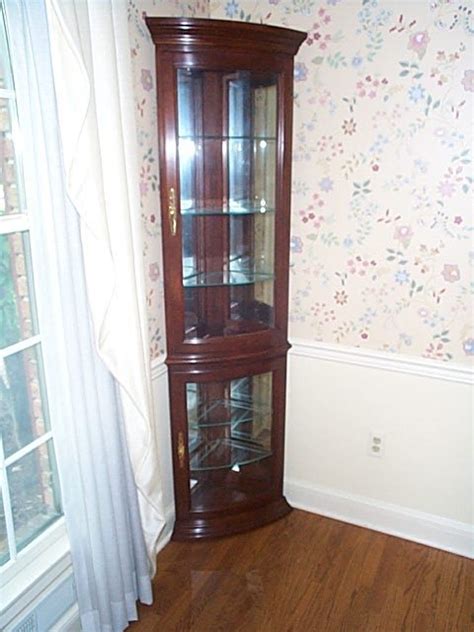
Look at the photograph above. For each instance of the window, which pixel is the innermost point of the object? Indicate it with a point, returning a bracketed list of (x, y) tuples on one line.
[(29, 489)]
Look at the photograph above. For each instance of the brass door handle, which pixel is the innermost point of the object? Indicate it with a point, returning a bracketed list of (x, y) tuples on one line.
[(172, 211), (181, 450)]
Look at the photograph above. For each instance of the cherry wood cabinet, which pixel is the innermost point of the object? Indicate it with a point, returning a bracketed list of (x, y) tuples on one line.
[(225, 92)]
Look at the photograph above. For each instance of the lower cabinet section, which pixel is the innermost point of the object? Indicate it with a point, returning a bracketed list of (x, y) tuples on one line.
[(227, 427)]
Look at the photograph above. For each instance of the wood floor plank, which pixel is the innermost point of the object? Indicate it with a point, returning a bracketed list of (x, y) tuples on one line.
[(306, 573)]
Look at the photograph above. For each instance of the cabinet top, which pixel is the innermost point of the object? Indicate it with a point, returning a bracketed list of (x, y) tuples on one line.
[(193, 34)]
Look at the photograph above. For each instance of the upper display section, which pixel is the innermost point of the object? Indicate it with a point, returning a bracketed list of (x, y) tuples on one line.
[(225, 116)]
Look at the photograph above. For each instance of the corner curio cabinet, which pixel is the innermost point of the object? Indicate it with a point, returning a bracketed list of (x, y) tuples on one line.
[(224, 122)]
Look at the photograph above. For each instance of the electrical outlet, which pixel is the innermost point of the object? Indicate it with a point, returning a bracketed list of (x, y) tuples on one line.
[(376, 443)]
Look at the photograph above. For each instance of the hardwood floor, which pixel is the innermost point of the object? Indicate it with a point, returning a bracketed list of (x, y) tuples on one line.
[(306, 573)]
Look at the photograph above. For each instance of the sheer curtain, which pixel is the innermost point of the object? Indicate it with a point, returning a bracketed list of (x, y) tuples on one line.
[(91, 62), (87, 404)]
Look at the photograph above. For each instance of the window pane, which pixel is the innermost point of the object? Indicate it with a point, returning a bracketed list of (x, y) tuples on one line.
[(6, 80), (4, 552), (17, 313), (10, 191), (23, 404), (33, 491)]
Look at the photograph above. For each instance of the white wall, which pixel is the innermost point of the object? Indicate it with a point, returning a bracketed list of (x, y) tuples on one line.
[(163, 434), (336, 397)]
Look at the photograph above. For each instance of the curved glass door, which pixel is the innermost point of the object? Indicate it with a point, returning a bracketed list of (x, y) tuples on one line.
[(227, 150), (229, 440)]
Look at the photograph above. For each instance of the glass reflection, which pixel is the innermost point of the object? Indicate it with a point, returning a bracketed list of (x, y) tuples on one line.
[(35, 504), (229, 438), (23, 403), (227, 164)]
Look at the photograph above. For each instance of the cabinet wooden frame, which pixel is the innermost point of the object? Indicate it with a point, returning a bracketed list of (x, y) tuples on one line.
[(265, 506), (212, 46)]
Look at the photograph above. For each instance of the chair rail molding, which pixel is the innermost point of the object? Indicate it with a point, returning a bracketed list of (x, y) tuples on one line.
[(158, 368), (382, 360)]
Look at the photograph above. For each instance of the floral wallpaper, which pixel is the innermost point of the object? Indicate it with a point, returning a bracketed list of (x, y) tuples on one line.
[(382, 241)]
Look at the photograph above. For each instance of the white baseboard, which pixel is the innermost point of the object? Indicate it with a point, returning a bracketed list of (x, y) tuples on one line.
[(424, 528)]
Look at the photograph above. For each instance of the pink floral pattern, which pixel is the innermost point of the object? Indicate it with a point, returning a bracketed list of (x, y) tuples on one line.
[(468, 80), (382, 191), (418, 42)]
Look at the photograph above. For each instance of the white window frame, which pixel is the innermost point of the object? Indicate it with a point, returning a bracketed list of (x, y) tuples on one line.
[(44, 561)]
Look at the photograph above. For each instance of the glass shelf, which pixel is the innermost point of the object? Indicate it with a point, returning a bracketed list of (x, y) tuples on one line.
[(201, 331), (224, 453), (225, 137), (246, 209), (224, 277), (230, 439), (240, 412)]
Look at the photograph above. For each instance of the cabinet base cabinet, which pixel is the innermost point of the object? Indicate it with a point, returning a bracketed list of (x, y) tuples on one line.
[(200, 528), (225, 98), (228, 446)]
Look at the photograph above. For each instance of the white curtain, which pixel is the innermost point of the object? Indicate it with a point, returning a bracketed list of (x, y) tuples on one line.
[(100, 498), (90, 53)]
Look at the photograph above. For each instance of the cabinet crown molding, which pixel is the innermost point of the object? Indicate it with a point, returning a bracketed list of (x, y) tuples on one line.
[(192, 34)]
